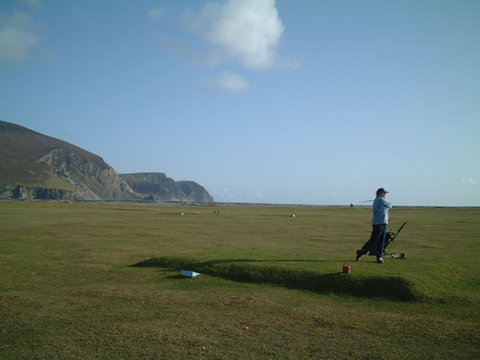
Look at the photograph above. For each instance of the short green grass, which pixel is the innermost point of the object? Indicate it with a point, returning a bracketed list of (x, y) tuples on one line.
[(68, 289)]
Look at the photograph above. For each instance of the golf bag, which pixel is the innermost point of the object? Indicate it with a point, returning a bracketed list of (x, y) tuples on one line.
[(389, 237)]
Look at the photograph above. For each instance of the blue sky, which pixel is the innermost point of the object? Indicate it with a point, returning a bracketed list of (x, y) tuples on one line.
[(304, 102)]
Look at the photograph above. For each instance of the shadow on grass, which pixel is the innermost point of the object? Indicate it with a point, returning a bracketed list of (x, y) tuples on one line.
[(176, 277), (230, 261), (394, 288)]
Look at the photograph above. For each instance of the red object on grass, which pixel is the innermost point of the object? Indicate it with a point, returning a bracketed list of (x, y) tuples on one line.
[(346, 269)]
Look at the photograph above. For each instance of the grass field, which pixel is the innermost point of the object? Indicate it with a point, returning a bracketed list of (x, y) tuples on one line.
[(69, 290)]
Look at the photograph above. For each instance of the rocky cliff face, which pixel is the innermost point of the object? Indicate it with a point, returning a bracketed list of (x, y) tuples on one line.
[(159, 187), (21, 192), (195, 191), (78, 179), (92, 180)]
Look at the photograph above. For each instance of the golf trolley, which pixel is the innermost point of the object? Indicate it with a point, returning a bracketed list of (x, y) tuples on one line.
[(389, 237)]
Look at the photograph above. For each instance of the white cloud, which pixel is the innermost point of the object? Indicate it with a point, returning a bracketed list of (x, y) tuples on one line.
[(468, 181), (247, 31), (228, 81), (18, 37), (155, 14)]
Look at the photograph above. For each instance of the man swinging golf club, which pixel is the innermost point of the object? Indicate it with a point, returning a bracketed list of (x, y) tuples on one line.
[(376, 244)]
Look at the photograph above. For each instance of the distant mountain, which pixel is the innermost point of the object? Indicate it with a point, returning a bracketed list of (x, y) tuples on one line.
[(159, 187), (36, 166)]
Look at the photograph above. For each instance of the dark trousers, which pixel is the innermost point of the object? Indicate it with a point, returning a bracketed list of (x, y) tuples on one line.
[(376, 244)]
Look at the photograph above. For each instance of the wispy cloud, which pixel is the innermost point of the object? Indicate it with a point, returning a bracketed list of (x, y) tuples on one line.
[(32, 4), (82, 16), (230, 82), (238, 195), (156, 14), (468, 181), (247, 31), (19, 35)]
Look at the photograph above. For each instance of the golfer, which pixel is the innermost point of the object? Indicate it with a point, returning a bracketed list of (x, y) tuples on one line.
[(376, 244)]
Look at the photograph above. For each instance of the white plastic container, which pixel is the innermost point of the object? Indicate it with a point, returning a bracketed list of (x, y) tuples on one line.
[(189, 273)]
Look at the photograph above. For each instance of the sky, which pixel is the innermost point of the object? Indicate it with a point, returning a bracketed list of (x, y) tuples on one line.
[(260, 101)]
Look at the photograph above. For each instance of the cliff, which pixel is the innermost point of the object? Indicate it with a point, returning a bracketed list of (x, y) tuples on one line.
[(36, 166), (159, 187)]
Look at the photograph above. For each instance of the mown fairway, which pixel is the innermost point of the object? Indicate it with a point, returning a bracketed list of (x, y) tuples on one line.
[(68, 290)]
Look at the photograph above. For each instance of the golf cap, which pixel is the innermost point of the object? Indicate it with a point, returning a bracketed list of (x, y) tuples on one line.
[(381, 191)]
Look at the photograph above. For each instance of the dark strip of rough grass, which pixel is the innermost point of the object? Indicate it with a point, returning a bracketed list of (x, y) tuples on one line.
[(394, 288)]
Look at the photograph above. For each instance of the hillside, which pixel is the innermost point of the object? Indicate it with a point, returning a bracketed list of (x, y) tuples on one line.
[(159, 187), (36, 166)]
